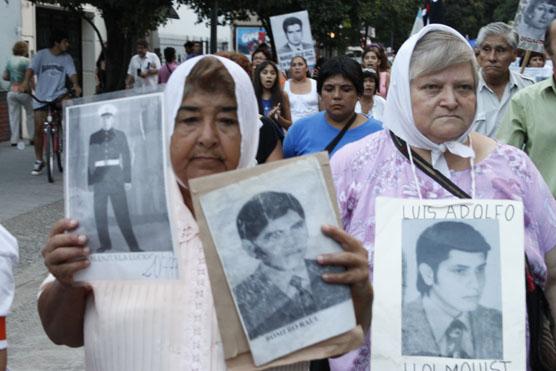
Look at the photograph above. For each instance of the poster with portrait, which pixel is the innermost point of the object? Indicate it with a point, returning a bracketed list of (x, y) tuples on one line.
[(115, 185), (248, 38), (443, 298), (292, 37), (536, 73), (261, 231), (531, 21)]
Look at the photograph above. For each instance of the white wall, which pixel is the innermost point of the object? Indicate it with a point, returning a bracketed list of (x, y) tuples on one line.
[(91, 48), (10, 32), (177, 31)]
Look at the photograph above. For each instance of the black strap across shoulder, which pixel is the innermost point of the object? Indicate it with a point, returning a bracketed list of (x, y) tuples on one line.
[(537, 304), (427, 168), (330, 147)]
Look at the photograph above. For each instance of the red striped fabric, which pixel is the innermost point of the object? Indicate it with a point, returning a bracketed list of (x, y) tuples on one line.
[(2, 328)]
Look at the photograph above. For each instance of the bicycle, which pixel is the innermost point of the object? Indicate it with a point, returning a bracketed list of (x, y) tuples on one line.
[(53, 137)]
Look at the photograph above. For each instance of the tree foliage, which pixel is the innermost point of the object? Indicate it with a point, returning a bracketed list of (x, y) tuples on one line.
[(125, 22), (327, 17), (392, 19)]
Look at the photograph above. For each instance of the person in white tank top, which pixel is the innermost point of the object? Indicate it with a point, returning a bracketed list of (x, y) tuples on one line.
[(371, 104), (302, 91)]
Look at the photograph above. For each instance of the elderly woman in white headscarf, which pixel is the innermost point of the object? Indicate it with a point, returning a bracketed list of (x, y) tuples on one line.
[(171, 325), (429, 113)]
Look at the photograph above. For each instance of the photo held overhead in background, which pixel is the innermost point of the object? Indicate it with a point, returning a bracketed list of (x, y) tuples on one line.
[(292, 37), (531, 21)]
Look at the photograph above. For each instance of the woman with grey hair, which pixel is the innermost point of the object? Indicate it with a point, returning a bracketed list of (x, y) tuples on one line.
[(536, 17), (429, 119)]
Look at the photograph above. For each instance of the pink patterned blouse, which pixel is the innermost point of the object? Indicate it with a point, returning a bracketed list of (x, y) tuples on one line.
[(373, 167)]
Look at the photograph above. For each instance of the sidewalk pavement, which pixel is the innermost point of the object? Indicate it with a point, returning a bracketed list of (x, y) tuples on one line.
[(29, 206)]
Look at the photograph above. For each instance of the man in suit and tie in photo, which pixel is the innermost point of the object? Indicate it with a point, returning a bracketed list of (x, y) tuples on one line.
[(447, 319), (293, 29), (109, 173), (286, 286)]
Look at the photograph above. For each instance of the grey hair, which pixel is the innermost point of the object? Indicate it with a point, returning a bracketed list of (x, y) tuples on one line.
[(438, 50), (498, 29)]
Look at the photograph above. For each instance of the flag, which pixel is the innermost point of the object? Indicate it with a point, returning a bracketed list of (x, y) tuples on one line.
[(419, 22)]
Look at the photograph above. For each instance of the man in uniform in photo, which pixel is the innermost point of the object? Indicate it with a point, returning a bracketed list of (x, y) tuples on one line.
[(286, 286), (446, 320), (109, 173), (293, 29)]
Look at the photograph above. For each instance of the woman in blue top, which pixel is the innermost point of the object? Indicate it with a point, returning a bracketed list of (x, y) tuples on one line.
[(273, 102), (340, 84)]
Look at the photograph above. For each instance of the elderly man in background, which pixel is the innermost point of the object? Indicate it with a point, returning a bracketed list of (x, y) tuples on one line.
[(143, 67), (497, 43), (529, 124)]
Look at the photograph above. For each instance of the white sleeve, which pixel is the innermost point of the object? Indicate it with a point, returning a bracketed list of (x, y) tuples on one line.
[(8, 257), (156, 61), (130, 69)]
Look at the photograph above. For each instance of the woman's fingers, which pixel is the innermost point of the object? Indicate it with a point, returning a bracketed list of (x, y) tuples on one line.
[(65, 253), (347, 242), (344, 259), (64, 273), (63, 225), (354, 258), (63, 240)]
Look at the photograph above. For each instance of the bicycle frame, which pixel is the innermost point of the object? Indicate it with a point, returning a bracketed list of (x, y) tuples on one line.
[(52, 138)]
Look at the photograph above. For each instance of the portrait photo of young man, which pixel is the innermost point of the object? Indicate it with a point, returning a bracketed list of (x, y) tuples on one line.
[(448, 319), (286, 285), (293, 30), (535, 18)]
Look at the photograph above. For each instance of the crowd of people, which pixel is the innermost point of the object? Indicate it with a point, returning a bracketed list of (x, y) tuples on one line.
[(462, 110)]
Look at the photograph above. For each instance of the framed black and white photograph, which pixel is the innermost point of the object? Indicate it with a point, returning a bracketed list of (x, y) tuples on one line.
[(451, 289), (267, 233), (531, 21), (443, 298), (292, 37), (116, 166)]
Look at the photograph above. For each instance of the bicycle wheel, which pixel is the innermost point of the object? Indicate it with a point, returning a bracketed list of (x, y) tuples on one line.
[(59, 150), (48, 156)]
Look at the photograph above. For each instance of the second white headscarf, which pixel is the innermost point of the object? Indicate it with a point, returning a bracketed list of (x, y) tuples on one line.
[(398, 114)]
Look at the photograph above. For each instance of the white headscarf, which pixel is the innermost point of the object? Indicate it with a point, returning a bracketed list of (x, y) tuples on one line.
[(398, 115), (247, 106)]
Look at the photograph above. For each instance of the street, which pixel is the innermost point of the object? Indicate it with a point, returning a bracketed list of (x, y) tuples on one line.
[(29, 205)]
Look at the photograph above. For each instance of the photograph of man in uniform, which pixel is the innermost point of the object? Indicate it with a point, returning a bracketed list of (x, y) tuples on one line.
[(286, 286), (293, 29), (109, 174), (446, 320)]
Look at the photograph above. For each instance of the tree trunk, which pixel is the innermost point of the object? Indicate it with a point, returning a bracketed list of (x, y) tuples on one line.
[(265, 21), (118, 53)]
